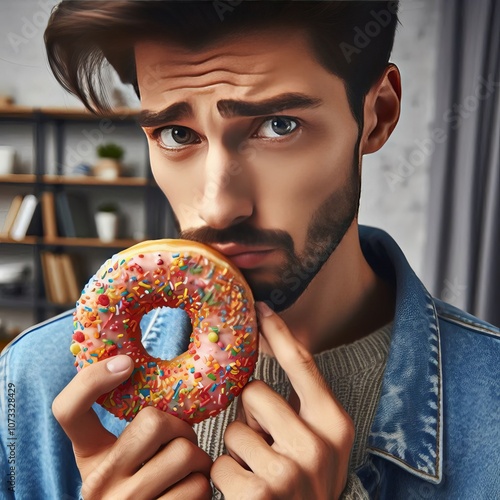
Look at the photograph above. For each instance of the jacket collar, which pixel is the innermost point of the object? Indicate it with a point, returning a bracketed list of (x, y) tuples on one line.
[(408, 424)]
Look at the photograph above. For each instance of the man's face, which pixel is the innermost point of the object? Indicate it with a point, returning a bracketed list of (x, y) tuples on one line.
[(254, 145)]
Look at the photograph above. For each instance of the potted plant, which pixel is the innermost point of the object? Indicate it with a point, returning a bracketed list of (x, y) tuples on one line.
[(109, 164), (106, 221)]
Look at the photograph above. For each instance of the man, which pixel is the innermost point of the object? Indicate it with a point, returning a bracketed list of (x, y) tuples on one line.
[(257, 118)]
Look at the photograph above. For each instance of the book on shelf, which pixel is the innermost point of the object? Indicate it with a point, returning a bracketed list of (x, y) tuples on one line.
[(73, 216), (47, 281), (47, 202), (35, 227), (60, 278), (24, 217), (57, 275), (68, 268), (11, 215)]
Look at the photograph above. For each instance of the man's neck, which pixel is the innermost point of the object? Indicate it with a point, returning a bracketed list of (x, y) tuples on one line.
[(344, 302)]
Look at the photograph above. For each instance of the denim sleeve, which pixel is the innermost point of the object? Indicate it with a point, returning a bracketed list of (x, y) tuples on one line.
[(34, 368)]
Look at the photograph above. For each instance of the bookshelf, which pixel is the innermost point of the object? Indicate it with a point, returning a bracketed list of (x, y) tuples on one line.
[(50, 129), (74, 181)]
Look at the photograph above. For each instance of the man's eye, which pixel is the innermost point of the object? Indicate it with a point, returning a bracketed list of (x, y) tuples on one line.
[(175, 137), (277, 126)]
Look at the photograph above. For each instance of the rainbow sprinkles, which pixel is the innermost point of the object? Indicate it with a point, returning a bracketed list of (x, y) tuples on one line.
[(222, 348)]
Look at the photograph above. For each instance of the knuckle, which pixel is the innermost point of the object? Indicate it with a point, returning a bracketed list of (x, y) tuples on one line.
[(280, 325), (253, 389), (317, 453), (90, 488), (148, 421), (233, 430), (322, 461), (283, 471), (348, 432), (256, 385), (304, 356), (199, 486), (58, 409), (297, 355), (291, 472), (261, 490), (219, 469), (182, 447)]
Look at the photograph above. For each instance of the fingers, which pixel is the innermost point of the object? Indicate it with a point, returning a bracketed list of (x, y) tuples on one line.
[(178, 460), (318, 406), (268, 414), (230, 478), (166, 445), (145, 435), (277, 452), (248, 447), (72, 408), (193, 487), (292, 356)]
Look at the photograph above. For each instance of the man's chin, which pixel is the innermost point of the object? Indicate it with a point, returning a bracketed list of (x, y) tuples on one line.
[(275, 294), (261, 279)]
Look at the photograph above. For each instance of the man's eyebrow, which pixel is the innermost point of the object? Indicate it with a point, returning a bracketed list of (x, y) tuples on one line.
[(173, 113), (230, 108)]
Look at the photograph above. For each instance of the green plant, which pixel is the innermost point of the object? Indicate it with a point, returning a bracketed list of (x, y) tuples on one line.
[(110, 150), (107, 207)]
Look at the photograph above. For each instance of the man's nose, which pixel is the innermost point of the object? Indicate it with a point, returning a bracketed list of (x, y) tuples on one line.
[(227, 193)]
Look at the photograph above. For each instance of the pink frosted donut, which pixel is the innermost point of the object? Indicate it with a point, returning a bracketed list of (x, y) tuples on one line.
[(175, 273)]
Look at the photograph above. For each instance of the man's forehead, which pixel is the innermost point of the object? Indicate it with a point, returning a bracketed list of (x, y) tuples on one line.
[(260, 75), (254, 51)]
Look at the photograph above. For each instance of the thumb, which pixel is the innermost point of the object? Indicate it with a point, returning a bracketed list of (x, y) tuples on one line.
[(72, 408)]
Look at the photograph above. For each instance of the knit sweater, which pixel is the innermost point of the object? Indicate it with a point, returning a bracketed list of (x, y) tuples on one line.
[(353, 372)]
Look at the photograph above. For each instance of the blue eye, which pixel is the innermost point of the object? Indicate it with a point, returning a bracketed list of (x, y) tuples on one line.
[(277, 126), (175, 136)]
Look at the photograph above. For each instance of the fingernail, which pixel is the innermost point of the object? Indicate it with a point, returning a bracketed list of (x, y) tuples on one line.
[(263, 309), (118, 364)]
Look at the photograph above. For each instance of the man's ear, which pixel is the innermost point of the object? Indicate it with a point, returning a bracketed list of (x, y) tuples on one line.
[(381, 110)]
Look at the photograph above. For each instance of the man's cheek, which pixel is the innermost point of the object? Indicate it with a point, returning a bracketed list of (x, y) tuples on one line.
[(185, 214)]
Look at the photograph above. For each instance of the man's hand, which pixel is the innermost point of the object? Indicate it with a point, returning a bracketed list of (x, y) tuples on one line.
[(279, 452), (156, 456)]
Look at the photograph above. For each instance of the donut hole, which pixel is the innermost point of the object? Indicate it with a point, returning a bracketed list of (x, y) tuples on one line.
[(166, 332)]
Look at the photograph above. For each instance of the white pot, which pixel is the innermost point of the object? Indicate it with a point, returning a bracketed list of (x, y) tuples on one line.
[(107, 226), (7, 155), (107, 168)]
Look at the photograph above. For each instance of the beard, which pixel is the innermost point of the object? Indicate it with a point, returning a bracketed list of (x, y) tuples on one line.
[(283, 285)]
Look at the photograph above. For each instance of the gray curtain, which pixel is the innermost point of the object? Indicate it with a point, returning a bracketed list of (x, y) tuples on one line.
[(462, 264)]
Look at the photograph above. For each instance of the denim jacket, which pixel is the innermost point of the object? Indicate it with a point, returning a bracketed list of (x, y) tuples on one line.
[(436, 431)]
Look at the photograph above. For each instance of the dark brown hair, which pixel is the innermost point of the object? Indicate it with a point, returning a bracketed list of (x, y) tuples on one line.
[(351, 39)]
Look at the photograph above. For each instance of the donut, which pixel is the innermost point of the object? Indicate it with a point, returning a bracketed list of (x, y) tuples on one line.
[(223, 345)]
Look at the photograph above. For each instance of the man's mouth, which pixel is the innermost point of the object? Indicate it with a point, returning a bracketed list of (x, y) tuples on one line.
[(244, 256)]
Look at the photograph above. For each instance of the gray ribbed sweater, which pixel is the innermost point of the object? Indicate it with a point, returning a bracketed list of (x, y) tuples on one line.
[(354, 373)]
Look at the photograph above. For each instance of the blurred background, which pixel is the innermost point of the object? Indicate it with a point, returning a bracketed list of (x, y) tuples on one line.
[(434, 186)]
